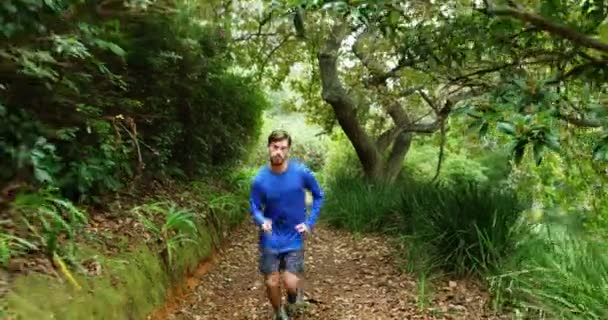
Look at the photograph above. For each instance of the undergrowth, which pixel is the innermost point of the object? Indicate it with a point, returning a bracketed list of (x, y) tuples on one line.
[(554, 273), (461, 228), (176, 231), (541, 270)]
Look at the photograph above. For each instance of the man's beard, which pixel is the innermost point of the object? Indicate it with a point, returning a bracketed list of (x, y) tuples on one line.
[(276, 160)]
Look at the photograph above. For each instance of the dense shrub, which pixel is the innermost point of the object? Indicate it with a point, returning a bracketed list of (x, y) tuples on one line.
[(101, 99), (555, 268), (421, 163), (460, 228), (466, 227), (353, 204)]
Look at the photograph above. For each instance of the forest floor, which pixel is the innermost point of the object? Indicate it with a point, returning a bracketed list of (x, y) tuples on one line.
[(347, 277)]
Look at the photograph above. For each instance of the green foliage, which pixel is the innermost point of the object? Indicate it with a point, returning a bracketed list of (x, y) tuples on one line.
[(466, 228), (353, 204), (460, 164), (458, 227), (176, 226), (496, 61), (457, 167), (11, 245), (341, 159), (51, 223), (566, 188), (132, 284), (135, 280), (99, 98)]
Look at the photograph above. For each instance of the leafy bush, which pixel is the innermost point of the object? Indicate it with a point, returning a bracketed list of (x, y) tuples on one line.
[(49, 224), (174, 228), (465, 227), (341, 159), (98, 101), (421, 162)]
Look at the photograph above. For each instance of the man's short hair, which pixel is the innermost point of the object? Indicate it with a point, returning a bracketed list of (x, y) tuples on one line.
[(279, 135)]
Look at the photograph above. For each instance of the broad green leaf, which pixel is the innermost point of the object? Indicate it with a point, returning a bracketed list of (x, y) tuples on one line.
[(506, 127), (552, 142), (42, 175)]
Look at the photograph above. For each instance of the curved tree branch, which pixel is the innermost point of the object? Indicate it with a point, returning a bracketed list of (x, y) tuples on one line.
[(542, 23)]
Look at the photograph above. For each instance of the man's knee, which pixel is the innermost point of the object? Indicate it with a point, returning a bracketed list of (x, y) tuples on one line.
[(272, 280), (291, 280)]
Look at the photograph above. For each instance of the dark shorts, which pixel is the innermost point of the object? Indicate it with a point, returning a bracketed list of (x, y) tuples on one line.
[(292, 262)]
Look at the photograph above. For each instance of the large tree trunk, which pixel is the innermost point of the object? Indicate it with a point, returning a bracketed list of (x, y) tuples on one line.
[(377, 165), (394, 163), (345, 107)]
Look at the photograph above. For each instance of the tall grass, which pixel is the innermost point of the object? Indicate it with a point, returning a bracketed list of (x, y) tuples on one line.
[(556, 274), (465, 227), (360, 207), (547, 272), (459, 228)]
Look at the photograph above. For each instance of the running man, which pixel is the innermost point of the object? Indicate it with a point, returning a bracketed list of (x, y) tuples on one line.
[(278, 207)]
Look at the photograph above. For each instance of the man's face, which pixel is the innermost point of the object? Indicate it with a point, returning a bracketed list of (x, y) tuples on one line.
[(278, 151)]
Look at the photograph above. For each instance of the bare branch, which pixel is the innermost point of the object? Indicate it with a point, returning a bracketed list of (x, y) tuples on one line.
[(442, 114), (441, 151), (499, 68), (428, 100), (261, 24), (593, 64), (249, 36), (404, 124)]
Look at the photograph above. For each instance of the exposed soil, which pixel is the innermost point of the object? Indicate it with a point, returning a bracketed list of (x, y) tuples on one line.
[(346, 278)]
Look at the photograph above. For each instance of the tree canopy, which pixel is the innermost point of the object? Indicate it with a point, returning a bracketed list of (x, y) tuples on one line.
[(386, 71)]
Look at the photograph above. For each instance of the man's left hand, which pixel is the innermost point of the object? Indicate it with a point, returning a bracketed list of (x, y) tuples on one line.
[(302, 228)]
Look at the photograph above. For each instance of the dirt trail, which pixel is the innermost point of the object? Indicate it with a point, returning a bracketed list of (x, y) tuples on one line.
[(346, 279)]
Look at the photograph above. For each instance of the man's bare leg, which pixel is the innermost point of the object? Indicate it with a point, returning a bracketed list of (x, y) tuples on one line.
[(292, 282), (273, 290)]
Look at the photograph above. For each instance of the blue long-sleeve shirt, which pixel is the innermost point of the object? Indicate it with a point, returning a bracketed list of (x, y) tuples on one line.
[(280, 197)]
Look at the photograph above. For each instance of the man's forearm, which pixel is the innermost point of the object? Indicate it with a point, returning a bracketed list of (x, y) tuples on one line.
[(314, 211), (258, 217)]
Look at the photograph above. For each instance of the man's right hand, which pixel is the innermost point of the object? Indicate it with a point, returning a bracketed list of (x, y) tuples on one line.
[(267, 226)]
